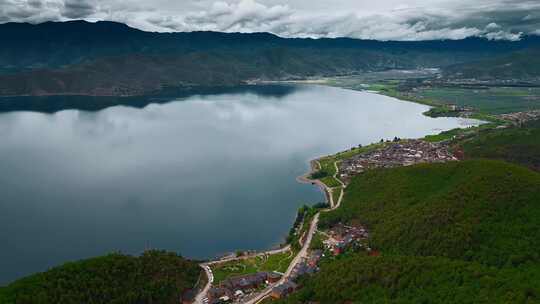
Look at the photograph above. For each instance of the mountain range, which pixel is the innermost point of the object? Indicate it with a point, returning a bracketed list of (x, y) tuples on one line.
[(113, 59)]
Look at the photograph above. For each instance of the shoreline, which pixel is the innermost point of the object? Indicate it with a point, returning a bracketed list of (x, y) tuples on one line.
[(314, 165), (304, 179)]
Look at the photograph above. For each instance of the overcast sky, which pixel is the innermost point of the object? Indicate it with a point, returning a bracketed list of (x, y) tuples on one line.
[(373, 19)]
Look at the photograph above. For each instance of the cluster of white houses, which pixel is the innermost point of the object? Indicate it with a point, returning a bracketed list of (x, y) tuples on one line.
[(403, 153), (519, 118)]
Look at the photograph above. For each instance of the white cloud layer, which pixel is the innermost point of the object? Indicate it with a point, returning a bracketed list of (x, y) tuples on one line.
[(383, 20)]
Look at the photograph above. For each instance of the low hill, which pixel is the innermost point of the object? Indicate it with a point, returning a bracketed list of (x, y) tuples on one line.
[(459, 232), (478, 210), (521, 65), (154, 277), (405, 279), (138, 74), (517, 145)]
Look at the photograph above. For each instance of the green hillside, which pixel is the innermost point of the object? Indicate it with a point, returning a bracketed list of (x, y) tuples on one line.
[(460, 232), (404, 279), (492, 100), (485, 211), (523, 64), (516, 145), (154, 277)]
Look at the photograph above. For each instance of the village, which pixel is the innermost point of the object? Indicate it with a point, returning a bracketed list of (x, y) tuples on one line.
[(239, 289), (342, 237), (337, 239), (519, 118), (398, 153)]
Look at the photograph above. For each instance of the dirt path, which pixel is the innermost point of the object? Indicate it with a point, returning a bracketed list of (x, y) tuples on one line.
[(204, 292)]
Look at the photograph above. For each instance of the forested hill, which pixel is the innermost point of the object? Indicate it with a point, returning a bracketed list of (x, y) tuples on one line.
[(154, 277), (460, 232), (107, 58), (519, 65)]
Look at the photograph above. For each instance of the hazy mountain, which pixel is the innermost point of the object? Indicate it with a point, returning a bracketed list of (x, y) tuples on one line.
[(521, 65), (107, 58)]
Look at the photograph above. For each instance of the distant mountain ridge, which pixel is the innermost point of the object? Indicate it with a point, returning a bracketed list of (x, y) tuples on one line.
[(523, 64), (109, 58)]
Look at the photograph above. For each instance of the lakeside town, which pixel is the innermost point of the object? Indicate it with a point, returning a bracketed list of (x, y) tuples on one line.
[(245, 288), (519, 118), (270, 152), (342, 237), (254, 287), (399, 153)]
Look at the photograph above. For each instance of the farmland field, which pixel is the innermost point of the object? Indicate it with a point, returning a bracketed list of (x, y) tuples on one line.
[(496, 100)]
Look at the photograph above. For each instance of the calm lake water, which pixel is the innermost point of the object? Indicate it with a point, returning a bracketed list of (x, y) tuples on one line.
[(201, 175)]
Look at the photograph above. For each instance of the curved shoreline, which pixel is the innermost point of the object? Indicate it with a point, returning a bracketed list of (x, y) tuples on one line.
[(304, 179), (329, 192)]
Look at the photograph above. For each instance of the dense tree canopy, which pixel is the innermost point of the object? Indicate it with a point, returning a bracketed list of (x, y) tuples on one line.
[(517, 145), (460, 232), (406, 279), (154, 277), (481, 210)]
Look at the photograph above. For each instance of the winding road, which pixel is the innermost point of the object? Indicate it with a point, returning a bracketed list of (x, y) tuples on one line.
[(206, 267), (302, 254), (299, 257)]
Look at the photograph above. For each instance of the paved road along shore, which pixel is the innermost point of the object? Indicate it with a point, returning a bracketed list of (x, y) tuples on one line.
[(302, 254)]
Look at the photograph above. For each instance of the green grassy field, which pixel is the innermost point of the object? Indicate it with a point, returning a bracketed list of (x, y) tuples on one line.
[(446, 135), (486, 101), (466, 132), (277, 262), (495, 100), (327, 162), (335, 194), (317, 241)]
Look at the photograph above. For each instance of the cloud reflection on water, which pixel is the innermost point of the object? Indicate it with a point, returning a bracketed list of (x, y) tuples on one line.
[(201, 175)]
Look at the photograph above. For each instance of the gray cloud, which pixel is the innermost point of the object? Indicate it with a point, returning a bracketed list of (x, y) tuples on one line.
[(35, 11), (385, 19), (76, 9)]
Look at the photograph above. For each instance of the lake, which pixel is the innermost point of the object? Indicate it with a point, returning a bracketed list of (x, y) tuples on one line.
[(200, 174)]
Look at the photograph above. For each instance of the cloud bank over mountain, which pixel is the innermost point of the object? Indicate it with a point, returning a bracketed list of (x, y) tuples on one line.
[(384, 20)]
